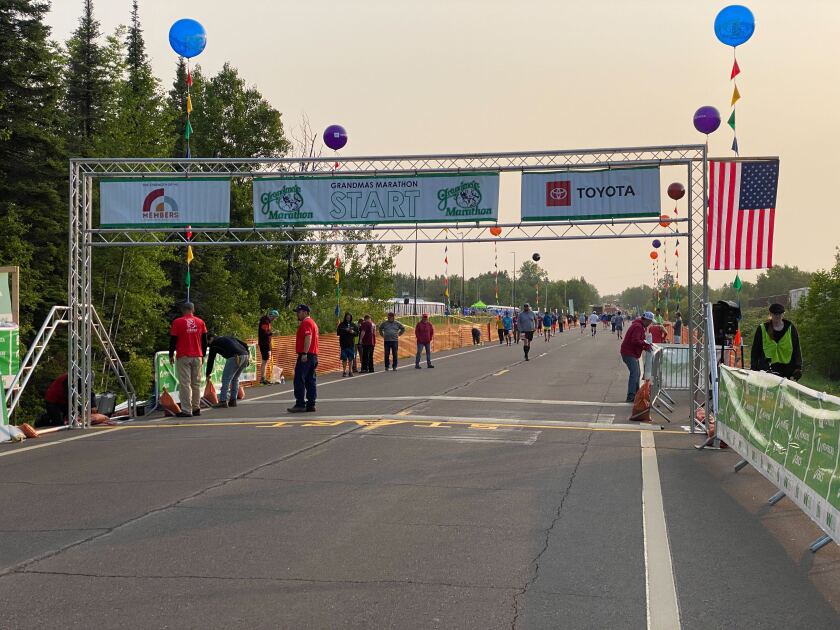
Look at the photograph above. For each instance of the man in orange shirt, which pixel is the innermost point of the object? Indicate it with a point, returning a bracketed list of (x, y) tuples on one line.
[(188, 339), (306, 346)]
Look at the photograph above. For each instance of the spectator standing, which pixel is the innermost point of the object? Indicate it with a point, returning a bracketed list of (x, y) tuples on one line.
[(527, 325), (306, 347), (264, 334), (347, 332), (391, 331), (237, 358), (631, 350), (516, 331), (776, 346), (424, 332), (358, 356), (188, 340), (367, 341), (476, 336), (678, 324)]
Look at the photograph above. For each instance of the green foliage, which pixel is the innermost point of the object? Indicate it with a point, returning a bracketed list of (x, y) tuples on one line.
[(781, 279), (817, 317)]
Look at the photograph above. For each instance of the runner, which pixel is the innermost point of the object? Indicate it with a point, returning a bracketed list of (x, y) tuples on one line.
[(527, 326), (583, 321), (618, 324), (500, 327), (593, 323), (554, 319), (507, 320), (516, 328), (548, 322)]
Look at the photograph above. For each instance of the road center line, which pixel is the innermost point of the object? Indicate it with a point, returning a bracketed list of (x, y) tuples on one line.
[(663, 611)]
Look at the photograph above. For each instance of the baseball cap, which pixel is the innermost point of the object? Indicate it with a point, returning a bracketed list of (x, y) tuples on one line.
[(301, 307), (425, 315), (777, 309), (648, 315), (273, 313)]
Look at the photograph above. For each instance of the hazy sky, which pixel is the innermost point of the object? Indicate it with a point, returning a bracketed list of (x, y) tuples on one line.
[(460, 76)]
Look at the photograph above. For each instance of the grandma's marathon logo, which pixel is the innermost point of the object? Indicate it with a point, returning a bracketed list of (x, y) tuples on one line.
[(466, 198), (288, 201), (158, 206)]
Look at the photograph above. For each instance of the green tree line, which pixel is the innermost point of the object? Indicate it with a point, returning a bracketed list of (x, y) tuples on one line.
[(97, 96)]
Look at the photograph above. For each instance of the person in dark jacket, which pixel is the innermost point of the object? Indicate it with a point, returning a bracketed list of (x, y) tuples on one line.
[(264, 335), (56, 401), (631, 350), (776, 347), (424, 332), (237, 358), (347, 332), (367, 341)]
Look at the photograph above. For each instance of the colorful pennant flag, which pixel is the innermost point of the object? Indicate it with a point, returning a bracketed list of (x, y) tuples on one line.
[(189, 104), (188, 130), (731, 121), (736, 96), (737, 284), (735, 70), (189, 254)]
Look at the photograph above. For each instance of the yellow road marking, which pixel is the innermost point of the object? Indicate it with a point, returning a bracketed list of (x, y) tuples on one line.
[(501, 372)]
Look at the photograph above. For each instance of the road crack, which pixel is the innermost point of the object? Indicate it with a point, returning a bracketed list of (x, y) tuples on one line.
[(547, 541)]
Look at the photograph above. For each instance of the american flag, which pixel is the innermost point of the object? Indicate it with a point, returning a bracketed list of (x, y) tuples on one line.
[(742, 210)]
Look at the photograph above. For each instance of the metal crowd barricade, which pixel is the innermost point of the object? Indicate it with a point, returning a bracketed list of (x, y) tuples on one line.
[(654, 372), (676, 366)]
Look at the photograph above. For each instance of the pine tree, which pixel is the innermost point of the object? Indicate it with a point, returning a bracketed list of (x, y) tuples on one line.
[(87, 85), (138, 68)]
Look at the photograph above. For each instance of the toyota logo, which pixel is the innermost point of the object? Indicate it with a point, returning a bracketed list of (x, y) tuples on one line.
[(558, 194)]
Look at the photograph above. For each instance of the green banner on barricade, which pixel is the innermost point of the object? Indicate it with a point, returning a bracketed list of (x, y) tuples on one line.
[(4, 413), (789, 433), (9, 351), (166, 375)]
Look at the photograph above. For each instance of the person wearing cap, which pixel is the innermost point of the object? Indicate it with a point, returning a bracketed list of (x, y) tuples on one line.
[(391, 330), (264, 334), (306, 347), (424, 333), (188, 340), (527, 326), (776, 347), (631, 350), (593, 323)]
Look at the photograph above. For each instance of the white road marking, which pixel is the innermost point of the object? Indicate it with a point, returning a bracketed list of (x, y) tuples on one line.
[(71, 439), (341, 380), (513, 401), (663, 610)]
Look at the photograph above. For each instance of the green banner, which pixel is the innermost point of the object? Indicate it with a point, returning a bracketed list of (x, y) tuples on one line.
[(9, 351), (166, 375), (790, 433), (4, 414)]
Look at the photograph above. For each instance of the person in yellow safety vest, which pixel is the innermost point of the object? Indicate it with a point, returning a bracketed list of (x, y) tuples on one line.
[(776, 346)]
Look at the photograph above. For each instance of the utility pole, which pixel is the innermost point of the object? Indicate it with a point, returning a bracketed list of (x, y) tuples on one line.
[(513, 294), (463, 273), (415, 269)]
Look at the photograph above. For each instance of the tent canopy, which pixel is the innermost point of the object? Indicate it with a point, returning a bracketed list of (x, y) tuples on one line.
[(479, 304)]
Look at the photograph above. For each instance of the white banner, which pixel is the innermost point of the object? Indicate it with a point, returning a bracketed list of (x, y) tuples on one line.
[(604, 194), (412, 199), (173, 203)]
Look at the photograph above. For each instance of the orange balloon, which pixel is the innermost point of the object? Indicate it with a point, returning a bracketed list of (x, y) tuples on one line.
[(654, 255), (495, 230), (664, 220)]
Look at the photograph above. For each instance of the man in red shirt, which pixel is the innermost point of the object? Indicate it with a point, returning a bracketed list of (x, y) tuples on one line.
[(631, 349), (306, 347), (424, 332), (188, 339), (367, 342)]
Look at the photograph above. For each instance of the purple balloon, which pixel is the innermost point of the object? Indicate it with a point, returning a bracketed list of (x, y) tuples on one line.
[(657, 243), (707, 119), (335, 137)]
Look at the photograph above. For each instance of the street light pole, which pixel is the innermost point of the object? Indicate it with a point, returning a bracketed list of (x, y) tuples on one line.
[(415, 270), (513, 294), (463, 274)]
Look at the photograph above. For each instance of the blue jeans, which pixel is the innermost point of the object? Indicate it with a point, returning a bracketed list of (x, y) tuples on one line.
[(230, 377), (305, 381), (391, 348), (428, 348), (632, 364)]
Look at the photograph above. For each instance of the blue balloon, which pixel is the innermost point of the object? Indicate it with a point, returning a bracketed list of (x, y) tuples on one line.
[(187, 38), (734, 25)]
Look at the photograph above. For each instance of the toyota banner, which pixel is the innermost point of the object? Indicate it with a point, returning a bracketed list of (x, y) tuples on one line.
[(602, 194)]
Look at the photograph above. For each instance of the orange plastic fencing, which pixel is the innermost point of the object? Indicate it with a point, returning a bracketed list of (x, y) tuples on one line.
[(446, 338)]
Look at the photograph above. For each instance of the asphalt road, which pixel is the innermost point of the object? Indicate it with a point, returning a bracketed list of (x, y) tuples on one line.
[(486, 493)]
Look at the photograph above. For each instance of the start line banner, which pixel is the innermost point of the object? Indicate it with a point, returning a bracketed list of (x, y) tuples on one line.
[(426, 198), (166, 375), (790, 434), (173, 203), (602, 194)]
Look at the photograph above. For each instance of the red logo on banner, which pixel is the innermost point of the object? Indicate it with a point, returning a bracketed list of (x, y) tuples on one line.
[(558, 193)]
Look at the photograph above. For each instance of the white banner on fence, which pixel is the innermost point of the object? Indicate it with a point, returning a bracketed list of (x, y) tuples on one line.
[(621, 192), (425, 198), (174, 203)]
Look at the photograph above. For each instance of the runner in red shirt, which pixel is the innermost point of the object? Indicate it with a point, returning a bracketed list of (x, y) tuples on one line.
[(306, 346), (188, 339)]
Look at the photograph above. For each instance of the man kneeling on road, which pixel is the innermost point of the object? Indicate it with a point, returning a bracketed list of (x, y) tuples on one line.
[(631, 350), (306, 346), (236, 354)]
